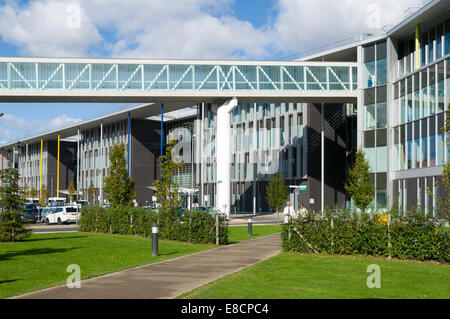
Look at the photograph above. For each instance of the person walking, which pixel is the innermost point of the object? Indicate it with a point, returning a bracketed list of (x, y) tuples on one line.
[(288, 212)]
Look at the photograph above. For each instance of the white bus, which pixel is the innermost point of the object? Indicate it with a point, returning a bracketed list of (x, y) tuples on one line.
[(56, 201)]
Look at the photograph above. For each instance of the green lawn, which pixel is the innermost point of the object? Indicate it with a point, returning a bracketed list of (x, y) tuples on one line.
[(240, 233), (292, 276), (41, 260)]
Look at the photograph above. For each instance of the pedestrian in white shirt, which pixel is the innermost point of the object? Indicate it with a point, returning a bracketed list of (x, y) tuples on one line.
[(288, 212)]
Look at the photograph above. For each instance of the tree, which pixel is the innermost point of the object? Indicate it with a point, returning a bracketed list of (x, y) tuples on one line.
[(118, 186), (166, 187), (25, 192), (12, 228), (11, 199), (71, 191), (33, 192), (358, 185), (91, 192), (444, 204), (44, 196), (276, 193)]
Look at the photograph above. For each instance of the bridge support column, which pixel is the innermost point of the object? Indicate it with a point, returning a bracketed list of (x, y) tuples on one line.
[(322, 162), (223, 155)]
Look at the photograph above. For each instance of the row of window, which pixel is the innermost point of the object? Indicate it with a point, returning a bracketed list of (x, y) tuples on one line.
[(245, 111), (419, 144), (115, 133), (421, 94), (434, 44)]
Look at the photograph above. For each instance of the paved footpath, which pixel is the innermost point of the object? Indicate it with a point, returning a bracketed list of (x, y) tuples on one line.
[(169, 278)]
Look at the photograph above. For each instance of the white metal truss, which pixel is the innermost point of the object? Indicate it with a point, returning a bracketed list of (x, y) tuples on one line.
[(20, 75), (165, 68), (337, 78), (314, 78), (139, 68), (78, 77), (51, 77), (113, 67)]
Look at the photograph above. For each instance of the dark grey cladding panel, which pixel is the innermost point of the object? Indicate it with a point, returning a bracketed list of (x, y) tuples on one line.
[(145, 149)]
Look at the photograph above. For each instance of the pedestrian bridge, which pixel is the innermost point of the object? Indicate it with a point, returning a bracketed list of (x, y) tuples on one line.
[(141, 81)]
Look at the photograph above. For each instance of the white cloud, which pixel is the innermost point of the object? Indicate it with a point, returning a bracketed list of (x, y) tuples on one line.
[(61, 122), (46, 28), (13, 128), (189, 28), (306, 24)]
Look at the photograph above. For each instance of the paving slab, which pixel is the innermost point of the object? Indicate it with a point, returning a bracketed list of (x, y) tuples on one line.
[(168, 278)]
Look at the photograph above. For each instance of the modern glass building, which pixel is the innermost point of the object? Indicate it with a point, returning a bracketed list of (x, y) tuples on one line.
[(241, 122), (403, 80)]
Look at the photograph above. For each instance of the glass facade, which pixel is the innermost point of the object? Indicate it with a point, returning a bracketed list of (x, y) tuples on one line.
[(375, 116)]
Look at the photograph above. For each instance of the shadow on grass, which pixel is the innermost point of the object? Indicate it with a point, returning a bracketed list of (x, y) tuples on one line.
[(8, 281), (53, 238), (34, 252)]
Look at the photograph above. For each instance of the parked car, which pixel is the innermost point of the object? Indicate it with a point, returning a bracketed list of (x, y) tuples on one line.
[(63, 215), (28, 217), (31, 212), (45, 211)]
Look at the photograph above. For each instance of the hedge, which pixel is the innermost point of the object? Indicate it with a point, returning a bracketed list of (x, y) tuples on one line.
[(193, 227), (411, 237)]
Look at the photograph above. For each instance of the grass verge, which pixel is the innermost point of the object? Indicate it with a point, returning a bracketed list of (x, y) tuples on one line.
[(238, 234), (40, 261), (305, 276)]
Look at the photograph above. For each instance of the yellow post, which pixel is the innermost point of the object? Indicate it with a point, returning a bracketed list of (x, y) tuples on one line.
[(40, 175), (417, 46), (57, 173)]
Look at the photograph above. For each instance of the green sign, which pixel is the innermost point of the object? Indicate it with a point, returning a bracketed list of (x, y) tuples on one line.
[(303, 187)]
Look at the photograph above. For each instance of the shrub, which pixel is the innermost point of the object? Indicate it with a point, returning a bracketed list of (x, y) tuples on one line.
[(193, 226), (411, 237), (12, 228)]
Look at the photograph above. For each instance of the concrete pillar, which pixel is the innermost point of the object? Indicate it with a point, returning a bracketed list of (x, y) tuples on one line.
[(223, 155)]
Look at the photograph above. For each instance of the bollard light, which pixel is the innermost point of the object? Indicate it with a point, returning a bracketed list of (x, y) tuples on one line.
[(250, 226), (155, 239)]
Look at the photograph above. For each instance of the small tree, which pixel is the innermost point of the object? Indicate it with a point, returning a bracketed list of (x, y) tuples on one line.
[(71, 191), (12, 228), (118, 186), (25, 192), (444, 204), (91, 192), (277, 191), (166, 187), (11, 199), (358, 185), (11, 225), (44, 196), (33, 192)]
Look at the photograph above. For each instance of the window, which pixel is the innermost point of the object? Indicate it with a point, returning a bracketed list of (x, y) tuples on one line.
[(440, 32), (440, 87), (381, 68), (447, 36), (369, 66), (424, 143)]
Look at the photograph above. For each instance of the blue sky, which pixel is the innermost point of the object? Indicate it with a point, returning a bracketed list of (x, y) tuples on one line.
[(198, 29)]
